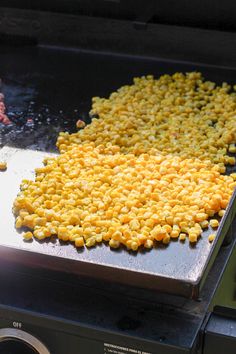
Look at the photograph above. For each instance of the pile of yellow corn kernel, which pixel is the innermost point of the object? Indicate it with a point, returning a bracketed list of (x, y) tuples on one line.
[(91, 194), (180, 114)]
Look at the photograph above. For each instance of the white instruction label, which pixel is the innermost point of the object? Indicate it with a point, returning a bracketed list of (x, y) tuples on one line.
[(117, 349)]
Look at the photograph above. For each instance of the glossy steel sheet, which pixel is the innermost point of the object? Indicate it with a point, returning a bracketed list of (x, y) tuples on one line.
[(66, 80), (177, 268)]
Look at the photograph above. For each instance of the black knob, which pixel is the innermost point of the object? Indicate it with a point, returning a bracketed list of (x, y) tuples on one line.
[(11, 346)]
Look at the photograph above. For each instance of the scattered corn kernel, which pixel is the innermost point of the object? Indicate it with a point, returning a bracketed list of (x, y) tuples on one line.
[(211, 237), (221, 213), (27, 235), (214, 223), (182, 237), (80, 124), (3, 166)]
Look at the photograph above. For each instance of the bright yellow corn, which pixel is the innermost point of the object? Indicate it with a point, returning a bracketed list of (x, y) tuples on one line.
[(27, 235), (3, 166), (147, 171), (211, 237), (121, 215), (214, 223), (179, 114)]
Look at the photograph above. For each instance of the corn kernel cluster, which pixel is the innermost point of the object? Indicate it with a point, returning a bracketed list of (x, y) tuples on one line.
[(179, 114), (91, 194), (148, 170)]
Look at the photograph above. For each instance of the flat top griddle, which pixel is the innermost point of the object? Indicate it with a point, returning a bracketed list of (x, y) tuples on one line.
[(61, 84)]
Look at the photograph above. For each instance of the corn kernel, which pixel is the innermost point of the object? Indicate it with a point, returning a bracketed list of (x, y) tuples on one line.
[(134, 225), (211, 237), (3, 166), (214, 223), (221, 213), (174, 234), (114, 243), (90, 242), (166, 240), (99, 238), (18, 223), (192, 238), (79, 242), (233, 175), (134, 246), (80, 124), (204, 224), (27, 235), (148, 244), (182, 237)]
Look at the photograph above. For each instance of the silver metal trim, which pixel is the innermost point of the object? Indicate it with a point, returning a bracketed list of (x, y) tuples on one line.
[(8, 333)]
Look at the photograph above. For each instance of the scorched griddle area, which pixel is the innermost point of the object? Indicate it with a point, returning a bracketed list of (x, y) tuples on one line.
[(54, 298)]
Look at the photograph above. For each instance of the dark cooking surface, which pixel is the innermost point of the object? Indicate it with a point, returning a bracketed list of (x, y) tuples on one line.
[(61, 83), (65, 81)]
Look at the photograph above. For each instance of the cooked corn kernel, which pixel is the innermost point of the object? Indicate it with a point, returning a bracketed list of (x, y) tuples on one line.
[(182, 237), (164, 114), (3, 166), (221, 213), (148, 244), (166, 240), (90, 242), (114, 243), (79, 242), (232, 148), (214, 223), (18, 223), (80, 124), (121, 214), (211, 237), (27, 235), (192, 238), (233, 175), (131, 177), (204, 224)]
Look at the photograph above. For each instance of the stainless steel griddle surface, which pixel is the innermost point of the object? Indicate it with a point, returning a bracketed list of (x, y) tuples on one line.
[(178, 265), (37, 75)]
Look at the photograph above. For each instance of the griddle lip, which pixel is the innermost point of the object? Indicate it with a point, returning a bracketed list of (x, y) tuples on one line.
[(33, 261), (224, 226), (189, 288)]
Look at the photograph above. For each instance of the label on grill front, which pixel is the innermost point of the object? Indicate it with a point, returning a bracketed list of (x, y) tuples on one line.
[(117, 349)]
